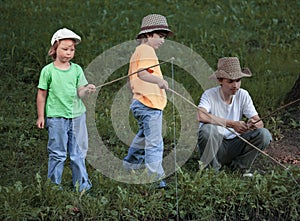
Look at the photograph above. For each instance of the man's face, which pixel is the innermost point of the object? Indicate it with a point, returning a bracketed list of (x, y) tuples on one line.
[(229, 86)]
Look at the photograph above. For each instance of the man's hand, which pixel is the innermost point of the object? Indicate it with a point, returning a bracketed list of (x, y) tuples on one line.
[(253, 124), (240, 127)]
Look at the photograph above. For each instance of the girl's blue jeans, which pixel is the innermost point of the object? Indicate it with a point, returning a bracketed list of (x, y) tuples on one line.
[(147, 146), (68, 136)]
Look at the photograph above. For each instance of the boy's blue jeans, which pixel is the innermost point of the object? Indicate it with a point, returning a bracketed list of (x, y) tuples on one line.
[(147, 146), (68, 136)]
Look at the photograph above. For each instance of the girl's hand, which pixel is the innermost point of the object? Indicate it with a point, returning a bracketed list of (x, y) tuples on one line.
[(86, 90), (40, 122), (90, 88)]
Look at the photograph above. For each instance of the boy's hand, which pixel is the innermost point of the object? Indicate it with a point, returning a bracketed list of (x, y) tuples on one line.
[(163, 84)]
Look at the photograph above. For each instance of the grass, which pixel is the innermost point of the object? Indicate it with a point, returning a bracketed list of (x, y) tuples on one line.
[(263, 34)]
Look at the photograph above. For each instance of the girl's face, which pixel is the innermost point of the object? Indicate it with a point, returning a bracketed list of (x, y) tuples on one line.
[(65, 50), (156, 40)]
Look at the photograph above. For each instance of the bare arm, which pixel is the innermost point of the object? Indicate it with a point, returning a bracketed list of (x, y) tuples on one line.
[(146, 76), (40, 103), (207, 118)]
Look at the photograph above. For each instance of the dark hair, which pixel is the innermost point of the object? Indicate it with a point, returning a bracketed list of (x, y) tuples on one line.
[(142, 38)]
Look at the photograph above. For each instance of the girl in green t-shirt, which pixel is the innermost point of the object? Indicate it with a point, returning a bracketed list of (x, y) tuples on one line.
[(62, 84)]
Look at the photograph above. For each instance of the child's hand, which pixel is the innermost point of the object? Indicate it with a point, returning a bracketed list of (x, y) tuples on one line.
[(86, 90), (91, 88), (163, 84), (40, 122)]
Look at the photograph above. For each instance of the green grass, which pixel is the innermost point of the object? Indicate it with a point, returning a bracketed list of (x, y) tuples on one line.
[(263, 34)]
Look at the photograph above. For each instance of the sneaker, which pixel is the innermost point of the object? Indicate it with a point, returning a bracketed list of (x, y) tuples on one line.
[(247, 173), (162, 185)]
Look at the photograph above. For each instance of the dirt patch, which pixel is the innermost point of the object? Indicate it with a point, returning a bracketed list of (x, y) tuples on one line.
[(287, 149)]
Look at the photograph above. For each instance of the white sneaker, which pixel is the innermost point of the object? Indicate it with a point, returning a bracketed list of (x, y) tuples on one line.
[(247, 174)]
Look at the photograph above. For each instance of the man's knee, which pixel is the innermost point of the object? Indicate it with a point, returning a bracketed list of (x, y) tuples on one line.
[(207, 130), (264, 136)]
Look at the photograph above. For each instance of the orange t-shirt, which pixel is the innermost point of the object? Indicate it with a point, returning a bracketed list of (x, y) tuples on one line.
[(147, 93)]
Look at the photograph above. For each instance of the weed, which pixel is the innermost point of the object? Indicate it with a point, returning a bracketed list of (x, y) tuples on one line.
[(263, 34)]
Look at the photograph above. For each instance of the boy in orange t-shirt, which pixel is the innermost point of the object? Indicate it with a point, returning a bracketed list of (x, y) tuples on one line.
[(149, 98)]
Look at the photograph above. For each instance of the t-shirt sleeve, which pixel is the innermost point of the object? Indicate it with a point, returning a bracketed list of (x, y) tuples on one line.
[(81, 77), (146, 57), (45, 79), (249, 109), (205, 102)]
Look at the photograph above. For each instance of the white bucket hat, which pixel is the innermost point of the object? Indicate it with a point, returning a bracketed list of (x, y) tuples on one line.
[(229, 67), (154, 22), (63, 34)]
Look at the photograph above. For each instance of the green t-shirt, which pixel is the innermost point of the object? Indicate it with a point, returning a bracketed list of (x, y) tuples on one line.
[(62, 99)]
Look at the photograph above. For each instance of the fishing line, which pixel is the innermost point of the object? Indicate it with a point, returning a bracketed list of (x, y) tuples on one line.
[(174, 142), (232, 131), (221, 124), (144, 69)]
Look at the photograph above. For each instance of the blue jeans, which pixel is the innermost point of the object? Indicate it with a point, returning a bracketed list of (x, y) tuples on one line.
[(68, 136), (147, 146), (216, 151)]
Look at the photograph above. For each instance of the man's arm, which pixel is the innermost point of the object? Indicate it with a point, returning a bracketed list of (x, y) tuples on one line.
[(207, 118)]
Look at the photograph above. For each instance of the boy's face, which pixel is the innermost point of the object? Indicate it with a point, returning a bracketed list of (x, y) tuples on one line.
[(65, 50), (156, 40)]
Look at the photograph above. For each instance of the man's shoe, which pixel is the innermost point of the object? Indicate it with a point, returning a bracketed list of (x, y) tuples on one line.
[(247, 173)]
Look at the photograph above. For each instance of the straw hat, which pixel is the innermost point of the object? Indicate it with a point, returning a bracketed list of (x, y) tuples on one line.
[(154, 22), (63, 34), (229, 67)]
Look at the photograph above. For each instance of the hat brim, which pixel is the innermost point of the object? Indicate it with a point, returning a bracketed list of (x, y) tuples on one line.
[(170, 33), (77, 40), (222, 74)]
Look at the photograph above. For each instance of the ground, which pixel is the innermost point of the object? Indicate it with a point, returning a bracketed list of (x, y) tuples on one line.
[(287, 148)]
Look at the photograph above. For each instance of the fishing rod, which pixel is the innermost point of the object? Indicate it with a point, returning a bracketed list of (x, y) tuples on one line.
[(232, 131), (278, 109), (240, 137), (143, 69)]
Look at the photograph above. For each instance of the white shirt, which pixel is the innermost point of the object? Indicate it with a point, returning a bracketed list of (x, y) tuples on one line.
[(241, 105)]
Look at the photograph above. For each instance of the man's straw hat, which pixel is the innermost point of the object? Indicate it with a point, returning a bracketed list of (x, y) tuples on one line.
[(154, 22), (229, 67)]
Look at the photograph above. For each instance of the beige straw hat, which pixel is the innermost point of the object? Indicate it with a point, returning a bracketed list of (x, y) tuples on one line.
[(229, 67), (154, 22)]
